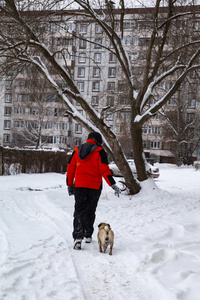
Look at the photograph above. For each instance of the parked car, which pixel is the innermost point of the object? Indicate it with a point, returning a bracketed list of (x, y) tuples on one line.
[(153, 171)]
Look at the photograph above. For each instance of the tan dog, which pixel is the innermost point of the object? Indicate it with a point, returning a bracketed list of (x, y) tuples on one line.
[(105, 237)]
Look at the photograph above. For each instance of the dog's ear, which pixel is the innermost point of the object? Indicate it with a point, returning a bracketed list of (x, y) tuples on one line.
[(100, 225), (108, 225)]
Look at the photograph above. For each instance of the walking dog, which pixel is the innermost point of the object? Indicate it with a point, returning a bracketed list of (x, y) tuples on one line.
[(105, 237)]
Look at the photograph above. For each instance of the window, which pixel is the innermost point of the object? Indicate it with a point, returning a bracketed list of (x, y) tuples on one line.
[(7, 124), (31, 125), (81, 86), (21, 83), (96, 72), (22, 97), (81, 72), (123, 100), (49, 125), (143, 41), (51, 98), (172, 102), (131, 40), (98, 28), (8, 98), (50, 139), (192, 103), (17, 110), (111, 86), (82, 58), (145, 144), (56, 139), (123, 115), (165, 85), (116, 26), (63, 139), (110, 100), (149, 130), (156, 117), (18, 124), (190, 117), (133, 55), (69, 26), (53, 27), (130, 24), (118, 128), (64, 42), (8, 84), (152, 101), (6, 138), (111, 72), (97, 57), (197, 25), (112, 58), (144, 130), (156, 130), (122, 86), (64, 55), (128, 40), (95, 100), (82, 44), (77, 142), (49, 41), (95, 86), (7, 111), (78, 128), (59, 139), (98, 42), (155, 145), (49, 111), (83, 28), (145, 24)]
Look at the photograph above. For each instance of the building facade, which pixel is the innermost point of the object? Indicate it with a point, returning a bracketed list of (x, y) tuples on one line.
[(82, 47)]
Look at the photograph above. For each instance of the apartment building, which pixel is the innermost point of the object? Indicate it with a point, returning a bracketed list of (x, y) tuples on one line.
[(99, 78)]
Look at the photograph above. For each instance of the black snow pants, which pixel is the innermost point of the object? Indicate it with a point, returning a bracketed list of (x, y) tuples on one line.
[(86, 201)]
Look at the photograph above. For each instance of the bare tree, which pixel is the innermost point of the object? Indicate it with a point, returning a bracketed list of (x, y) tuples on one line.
[(38, 113), (180, 127), (24, 45)]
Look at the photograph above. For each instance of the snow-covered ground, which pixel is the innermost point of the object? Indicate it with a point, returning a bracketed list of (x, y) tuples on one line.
[(156, 254)]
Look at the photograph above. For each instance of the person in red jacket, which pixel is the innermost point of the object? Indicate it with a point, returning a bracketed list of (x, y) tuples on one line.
[(86, 167)]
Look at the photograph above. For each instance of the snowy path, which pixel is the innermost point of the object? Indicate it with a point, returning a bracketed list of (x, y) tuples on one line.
[(155, 255)]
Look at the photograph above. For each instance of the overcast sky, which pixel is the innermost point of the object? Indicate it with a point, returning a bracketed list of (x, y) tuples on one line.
[(69, 4), (144, 3)]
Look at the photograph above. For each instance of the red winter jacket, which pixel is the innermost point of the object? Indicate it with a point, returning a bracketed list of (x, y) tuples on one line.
[(87, 165)]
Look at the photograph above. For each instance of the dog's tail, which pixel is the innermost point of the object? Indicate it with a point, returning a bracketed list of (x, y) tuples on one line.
[(107, 228)]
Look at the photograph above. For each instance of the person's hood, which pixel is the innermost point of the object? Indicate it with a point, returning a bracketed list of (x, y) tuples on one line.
[(86, 149)]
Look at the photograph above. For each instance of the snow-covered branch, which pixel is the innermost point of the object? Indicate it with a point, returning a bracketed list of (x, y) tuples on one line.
[(154, 83)]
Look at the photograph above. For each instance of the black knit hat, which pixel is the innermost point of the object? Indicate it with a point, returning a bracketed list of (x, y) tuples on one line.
[(96, 137)]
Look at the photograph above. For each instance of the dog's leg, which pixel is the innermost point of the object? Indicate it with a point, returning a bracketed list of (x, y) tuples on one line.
[(104, 248), (111, 246), (100, 248)]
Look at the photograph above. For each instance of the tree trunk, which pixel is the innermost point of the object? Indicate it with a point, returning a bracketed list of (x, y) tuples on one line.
[(131, 183), (120, 160), (136, 135)]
